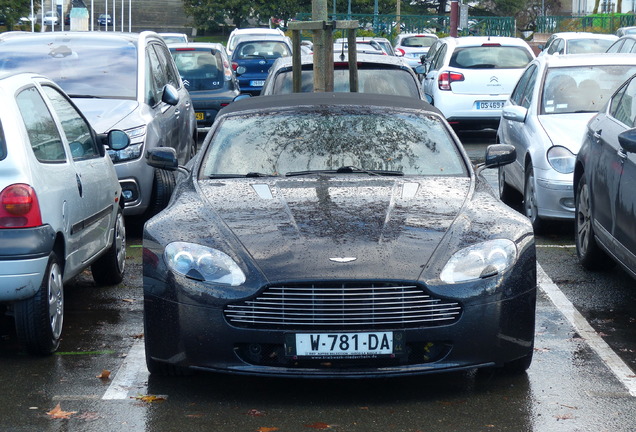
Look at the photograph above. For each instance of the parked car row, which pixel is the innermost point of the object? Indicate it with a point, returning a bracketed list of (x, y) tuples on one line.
[(72, 162)]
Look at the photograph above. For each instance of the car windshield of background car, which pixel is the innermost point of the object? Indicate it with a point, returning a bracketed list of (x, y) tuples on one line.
[(82, 67), (200, 69), (587, 46), (261, 49), (278, 142), (490, 57), (418, 41), (394, 81), (582, 88)]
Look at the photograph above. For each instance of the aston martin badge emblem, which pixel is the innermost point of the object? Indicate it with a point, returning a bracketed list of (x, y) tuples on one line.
[(342, 259)]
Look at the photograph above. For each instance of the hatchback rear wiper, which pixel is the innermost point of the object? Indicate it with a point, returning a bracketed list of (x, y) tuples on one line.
[(249, 174), (346, 170)]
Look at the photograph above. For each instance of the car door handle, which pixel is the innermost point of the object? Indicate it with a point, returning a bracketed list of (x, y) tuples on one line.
[(177, 112), (621, 154), (597, 135)]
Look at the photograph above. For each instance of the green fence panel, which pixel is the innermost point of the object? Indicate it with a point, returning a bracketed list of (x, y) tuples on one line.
[(386, 25)]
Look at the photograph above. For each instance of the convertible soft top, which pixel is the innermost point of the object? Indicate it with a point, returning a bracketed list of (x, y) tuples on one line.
[(308, 99)]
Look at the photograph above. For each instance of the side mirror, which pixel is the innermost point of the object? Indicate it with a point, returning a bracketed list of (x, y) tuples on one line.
[(118, 140), (514, 113), (170, 95), (242, 96), (499, 154), (627, 140), (163, 158)]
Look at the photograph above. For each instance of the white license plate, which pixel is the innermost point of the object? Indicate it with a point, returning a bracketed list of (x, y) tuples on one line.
[(489, 105), (342, 344), (258, 83)]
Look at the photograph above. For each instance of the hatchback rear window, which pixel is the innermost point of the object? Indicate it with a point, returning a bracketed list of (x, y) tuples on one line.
[(490, 57), (82, 66), (200, 69), (418, 41)]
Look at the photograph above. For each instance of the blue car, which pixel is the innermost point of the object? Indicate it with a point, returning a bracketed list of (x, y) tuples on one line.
[(253, 57)]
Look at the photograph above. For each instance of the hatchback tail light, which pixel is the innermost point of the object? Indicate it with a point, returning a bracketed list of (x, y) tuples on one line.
[(445, 79), (234, 66), (19, 207)]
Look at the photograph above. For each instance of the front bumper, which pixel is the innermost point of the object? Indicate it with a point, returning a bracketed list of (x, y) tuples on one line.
[(198, 336), (555, 197)]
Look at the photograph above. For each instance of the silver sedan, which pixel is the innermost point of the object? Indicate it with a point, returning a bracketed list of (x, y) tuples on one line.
[(545, 119)]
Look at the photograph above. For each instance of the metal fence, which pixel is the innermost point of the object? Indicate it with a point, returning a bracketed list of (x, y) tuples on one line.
[(386, 25), (593, 23)]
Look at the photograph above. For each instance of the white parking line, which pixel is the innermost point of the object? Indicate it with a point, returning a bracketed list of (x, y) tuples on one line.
[(618, 367), (131, 374)]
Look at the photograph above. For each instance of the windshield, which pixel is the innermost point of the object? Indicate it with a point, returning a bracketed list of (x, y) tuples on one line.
[(393, 81), (200, 69), (261, 49), (490, 57), (582, 88), (284, 142), (82, 67), (585, 46)]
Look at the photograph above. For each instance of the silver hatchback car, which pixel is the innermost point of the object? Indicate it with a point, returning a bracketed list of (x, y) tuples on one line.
[(545, 118), (60, 205), (127, 81)]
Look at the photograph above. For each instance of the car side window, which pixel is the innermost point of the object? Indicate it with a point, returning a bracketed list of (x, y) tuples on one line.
[(517, 93), (3, 144), (615, 47), (155, 79), (628, 46), (438, 61), (555, 46), (77, 131), (42, 131), (622, 107), (165, 59), (526, 97)]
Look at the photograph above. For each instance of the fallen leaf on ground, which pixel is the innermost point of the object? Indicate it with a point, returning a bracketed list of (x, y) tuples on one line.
[(57, 413), (150, 398), (255, 413), (564, 417), (129, 300), (105, 375), (266, 429)]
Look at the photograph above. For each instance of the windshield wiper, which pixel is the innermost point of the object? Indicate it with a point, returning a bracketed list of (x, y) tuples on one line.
[(346, 170), (249, 174)]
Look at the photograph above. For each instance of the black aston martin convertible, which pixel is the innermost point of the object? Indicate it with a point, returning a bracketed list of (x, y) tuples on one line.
[(336, 235)]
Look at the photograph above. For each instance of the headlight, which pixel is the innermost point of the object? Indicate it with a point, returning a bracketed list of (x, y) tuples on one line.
[(203, 263), (561, 159), (136, 132), (133, 151), (479, 261)]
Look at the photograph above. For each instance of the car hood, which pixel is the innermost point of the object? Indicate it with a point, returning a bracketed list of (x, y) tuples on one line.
[(331, 228), (567, 130), (105, 114)]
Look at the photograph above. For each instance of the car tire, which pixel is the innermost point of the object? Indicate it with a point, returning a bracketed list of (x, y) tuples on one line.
[(519, 365), (39, 319), (530, 200), (109, 268), (590, 254), (162, 188), (506, 193)]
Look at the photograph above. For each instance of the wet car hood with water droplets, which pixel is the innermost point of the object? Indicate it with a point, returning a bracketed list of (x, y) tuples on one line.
[(294, 227)]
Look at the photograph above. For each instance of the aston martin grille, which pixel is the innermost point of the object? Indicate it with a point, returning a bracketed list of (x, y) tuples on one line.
[(346, 306)]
